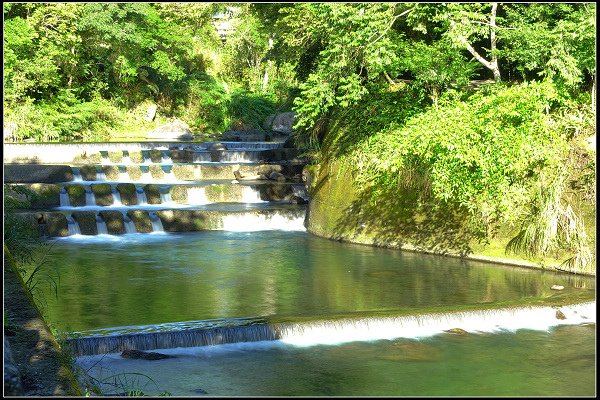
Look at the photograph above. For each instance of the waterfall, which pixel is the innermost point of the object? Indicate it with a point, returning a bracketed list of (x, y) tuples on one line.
[(116, 196), (100, 175), (300, 191), (146, 177), (129, 225), (156, 222), (104, 155), (251, 195), (250, 222), (141, 196), (90, 197), (328, 331), (123, 175), (165, 198), (241, 155), (77, 174), (169, 176), (73, 226), (64, 198), (203, 156), (101, 225), (197, 196), (126, 158), (166, 157)]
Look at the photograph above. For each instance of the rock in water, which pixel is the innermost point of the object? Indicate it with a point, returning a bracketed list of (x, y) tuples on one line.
[(143, 355), (560, 315), (457, 331), (557, 287)]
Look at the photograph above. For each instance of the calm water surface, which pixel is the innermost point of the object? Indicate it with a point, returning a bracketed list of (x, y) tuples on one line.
[(144, 279)]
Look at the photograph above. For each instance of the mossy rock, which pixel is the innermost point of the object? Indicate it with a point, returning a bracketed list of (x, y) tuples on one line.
[(186, 172), (189, 220), (103, 194), (86, 221), (128, 193), (141, 220), (115, 156), (179, 193), (85, 158), (182, 156), (136, 157), (45, 195), (155, 156), (56, 224), (157, 172), (76, 195), (224, 193), (134, 171), (152, 193), (114, 222), (275, 191), (88, 172), (111, 172)]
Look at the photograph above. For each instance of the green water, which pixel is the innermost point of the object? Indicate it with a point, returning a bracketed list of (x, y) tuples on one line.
[(527, 363), (144, 279)]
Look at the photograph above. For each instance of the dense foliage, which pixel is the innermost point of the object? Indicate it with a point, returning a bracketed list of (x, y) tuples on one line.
[(488, 104)]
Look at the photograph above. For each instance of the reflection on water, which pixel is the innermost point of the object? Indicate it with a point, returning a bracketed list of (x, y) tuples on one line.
[(141, 279), (526, 363)]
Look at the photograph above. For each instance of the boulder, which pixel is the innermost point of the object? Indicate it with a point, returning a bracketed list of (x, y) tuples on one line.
[(560, 315), (281, 123), (175, 130), (277, 176)]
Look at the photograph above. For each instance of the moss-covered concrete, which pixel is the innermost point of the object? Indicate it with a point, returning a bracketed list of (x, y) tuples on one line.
[(86, 221), (85, 158), (114, 222), (128, 193), (44, 195), (152, 193), (103, 194), (76, 195), (141, 220), (111, 172), (115, 156), (189, 220), (56, 224), (340, 210), (182, 156), (134, 171), (179, 193), (88, 172), (155, 156), (157, 172), (136, 157), (187, 172), (275, 191)]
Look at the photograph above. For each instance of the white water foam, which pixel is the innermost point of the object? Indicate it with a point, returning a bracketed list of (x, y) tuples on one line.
[(64, 198), (419, 326), (251, 195), (197, 196)]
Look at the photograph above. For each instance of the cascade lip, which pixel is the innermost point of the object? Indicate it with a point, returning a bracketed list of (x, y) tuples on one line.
[(356, 316), (230, 207)]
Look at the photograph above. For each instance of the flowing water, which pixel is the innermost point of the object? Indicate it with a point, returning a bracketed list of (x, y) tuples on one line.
[(259, 307)]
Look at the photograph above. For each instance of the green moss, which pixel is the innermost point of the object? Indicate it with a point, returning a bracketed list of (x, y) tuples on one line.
[(136, 157), (157, 172), (155, 156), (115, 156), (128, 193), (85, 158), (152, 193), (141, 220), (56, 224), (182, 156), (134, 172), (103, 194), (189, 220), (186, 172), (86, 221), (179, 193), (88, 172), (76, 195), (114, 222), (111, 172)]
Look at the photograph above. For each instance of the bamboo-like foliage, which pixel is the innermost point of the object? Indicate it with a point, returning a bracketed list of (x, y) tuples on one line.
[(552, 225)]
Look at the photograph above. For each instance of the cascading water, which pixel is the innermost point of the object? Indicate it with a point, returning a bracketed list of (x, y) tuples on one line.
[(90, 197), (329, 332), (278, 220), (165, 197), (77, 174), (64, 198), (100, 175), (101, 225), (73, 226), (129, 224), (197, 196), (156, 222), (141, 196), (166, 157), (251, 195), (126, 158), (116, 196), (123, 174)]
